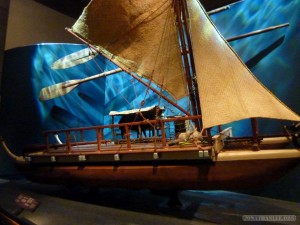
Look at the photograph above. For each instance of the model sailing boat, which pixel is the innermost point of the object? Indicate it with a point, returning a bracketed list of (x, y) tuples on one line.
[(175, 45)]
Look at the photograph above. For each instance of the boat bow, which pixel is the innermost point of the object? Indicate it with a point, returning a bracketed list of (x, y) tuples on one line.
[(10, 153)]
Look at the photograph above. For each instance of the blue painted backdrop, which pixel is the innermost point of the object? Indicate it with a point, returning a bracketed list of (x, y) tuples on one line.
[(273, 57)]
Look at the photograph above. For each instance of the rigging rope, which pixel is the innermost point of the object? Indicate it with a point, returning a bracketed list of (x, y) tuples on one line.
[(166, 31)]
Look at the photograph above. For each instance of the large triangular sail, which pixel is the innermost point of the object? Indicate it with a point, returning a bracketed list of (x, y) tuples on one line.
[(142, 35), (139, 34), (227, 88)]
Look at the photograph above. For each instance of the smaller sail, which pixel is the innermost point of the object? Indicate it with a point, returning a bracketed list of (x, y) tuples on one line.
[(74, 59), (228, 90)]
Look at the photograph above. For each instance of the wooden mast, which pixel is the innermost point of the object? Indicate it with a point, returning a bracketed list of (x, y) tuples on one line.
[(188, 59)]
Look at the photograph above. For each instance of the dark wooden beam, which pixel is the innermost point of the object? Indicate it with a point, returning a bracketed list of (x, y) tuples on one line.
[(214, 4), (73, 8)]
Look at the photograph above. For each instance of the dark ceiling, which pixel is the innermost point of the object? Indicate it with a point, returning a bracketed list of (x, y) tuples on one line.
[(73, 8)]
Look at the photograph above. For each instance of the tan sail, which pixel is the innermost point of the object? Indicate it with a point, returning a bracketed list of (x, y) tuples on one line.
[(227, 88), (139, 34)]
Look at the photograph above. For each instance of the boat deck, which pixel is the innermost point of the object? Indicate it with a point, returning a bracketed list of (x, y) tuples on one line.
[(162, 147), (112, 147), (118, 152), (76, 148)]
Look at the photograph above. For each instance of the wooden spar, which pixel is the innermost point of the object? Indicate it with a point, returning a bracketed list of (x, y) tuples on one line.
[(189, 66), (104, 74), (130, 73), (218, 10), (221, 9), (257, 32)]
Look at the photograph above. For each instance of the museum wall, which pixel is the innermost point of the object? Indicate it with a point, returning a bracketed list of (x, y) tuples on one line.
[(30, 23)]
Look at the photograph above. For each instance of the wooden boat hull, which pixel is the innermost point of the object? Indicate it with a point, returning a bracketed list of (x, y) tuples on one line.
[(159, 165), (225, 173)]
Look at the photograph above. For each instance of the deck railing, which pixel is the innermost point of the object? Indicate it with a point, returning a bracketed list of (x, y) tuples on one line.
[(76, 136)]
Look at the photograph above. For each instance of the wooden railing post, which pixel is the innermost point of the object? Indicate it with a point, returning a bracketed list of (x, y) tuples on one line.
[(127, 134), (99, 138), (81, 136), (47, 141), (163, 133), (68, 139), (254, 124)]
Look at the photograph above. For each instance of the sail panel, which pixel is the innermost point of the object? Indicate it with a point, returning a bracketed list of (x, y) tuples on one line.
[(140, 35), (228, 90)]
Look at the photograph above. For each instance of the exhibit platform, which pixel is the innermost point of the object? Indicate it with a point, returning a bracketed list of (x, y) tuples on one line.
[(32, 203)]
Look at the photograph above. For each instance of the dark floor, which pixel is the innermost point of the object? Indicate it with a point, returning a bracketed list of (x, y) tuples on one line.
[(61, 205)]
